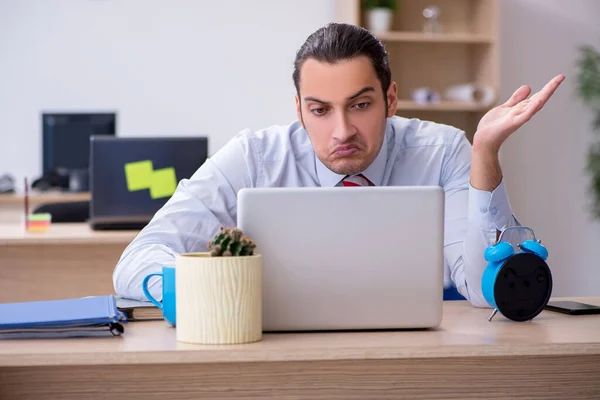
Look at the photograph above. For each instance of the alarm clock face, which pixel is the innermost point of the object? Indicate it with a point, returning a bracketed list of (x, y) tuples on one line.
[(523, 287)]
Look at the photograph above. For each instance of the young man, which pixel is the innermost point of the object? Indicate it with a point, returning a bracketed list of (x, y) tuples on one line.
[(346, 134)]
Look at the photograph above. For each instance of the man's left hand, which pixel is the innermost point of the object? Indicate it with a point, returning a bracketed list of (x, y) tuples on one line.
[(500, 122)]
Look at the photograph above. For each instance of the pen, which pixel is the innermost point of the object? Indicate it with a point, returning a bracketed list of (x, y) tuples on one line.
[(26, 200)]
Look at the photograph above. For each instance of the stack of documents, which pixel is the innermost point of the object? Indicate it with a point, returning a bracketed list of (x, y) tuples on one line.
[(139, 310), (88, 316)]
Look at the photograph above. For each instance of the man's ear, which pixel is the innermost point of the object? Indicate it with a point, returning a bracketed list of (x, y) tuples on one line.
[(392, 99), (299, 110)]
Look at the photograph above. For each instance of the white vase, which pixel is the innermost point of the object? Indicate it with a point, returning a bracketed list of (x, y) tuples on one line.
[(380, 19)]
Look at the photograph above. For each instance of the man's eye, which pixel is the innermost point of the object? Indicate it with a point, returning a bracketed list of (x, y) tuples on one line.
[(319, 111), (362, 106)]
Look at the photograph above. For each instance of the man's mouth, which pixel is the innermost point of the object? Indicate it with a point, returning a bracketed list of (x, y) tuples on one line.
[(343, 151)]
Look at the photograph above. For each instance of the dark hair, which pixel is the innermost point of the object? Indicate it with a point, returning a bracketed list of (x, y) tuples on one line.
[(335, 42)]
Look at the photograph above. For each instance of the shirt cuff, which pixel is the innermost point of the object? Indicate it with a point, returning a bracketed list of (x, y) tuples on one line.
[(490, 210)]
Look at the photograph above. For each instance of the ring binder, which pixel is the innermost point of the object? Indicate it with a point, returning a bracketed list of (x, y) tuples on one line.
[(79, 317)]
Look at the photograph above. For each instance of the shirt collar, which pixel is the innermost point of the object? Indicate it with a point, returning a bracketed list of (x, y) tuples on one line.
[(374, 172)]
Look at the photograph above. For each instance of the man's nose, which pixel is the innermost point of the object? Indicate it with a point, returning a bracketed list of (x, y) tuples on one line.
[(344, 129)]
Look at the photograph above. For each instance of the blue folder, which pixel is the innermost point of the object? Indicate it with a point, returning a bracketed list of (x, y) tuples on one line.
[(88, 316)]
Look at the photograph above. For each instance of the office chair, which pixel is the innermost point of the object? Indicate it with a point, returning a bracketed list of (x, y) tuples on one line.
[(72, 211), (451, 293)]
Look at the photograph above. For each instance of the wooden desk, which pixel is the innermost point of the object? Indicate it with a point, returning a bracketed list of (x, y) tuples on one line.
[(467, 357), (12, 205), (70, 260)]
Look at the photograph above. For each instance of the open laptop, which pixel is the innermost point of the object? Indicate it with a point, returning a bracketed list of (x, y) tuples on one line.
[(132, 178), (348, 258)]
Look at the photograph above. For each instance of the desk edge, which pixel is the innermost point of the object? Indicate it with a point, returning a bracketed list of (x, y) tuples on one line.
[(202, 356)]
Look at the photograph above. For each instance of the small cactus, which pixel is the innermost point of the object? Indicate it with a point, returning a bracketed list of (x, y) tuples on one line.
[(231, 242)]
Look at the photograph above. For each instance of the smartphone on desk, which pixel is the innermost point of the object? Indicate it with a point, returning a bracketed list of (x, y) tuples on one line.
[(572, 308)]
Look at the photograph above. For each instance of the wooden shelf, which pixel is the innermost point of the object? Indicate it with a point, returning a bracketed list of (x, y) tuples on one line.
[(467, 50), (421, 37), (43, 197), (458, 106)]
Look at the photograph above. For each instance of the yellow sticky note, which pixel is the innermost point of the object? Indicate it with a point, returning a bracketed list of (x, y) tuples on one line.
[(139, 175), (164, 183)]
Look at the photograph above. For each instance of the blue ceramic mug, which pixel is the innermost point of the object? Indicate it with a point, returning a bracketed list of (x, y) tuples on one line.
[(168, 293)]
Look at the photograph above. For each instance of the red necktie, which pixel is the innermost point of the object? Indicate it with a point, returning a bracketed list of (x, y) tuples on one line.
[(356, 180)]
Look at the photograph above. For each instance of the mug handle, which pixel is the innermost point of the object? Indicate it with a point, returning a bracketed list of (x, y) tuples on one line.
[(147, 292)]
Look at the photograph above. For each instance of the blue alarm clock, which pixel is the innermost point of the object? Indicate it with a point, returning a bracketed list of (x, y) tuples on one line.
[(518, 284)]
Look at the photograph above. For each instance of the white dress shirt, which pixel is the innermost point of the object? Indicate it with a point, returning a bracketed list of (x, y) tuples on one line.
[(414, 152)]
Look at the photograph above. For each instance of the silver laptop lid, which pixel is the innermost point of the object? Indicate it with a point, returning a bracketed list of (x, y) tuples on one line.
[(348, 258)]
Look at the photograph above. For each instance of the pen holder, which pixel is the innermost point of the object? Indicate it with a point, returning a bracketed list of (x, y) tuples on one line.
[(39, 222), (218, 299)]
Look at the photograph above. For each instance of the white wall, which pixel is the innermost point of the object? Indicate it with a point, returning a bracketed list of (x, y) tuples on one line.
[(544, 161), (178, 67)]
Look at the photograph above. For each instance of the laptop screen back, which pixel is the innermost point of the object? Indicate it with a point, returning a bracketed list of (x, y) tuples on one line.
[(132, 178)]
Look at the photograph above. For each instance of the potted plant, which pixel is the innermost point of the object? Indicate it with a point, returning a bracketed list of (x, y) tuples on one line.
[(380, 14), (588, 83), (219, 292), (231, 242)]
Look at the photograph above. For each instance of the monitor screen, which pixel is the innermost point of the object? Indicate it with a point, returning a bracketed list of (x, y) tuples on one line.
[(132, 178), (66, 138)]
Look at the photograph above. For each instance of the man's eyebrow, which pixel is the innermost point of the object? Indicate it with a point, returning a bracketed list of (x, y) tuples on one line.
[(309, 98), (355, 95), (361, 91)]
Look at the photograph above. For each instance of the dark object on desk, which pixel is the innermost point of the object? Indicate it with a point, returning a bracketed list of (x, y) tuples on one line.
[(66, 146), (51, 181), (73, 180), (7, 184), (523, 287), (118, 226), (71, 211), (132, 178), (518, 284), (572, 308), (88, 316)]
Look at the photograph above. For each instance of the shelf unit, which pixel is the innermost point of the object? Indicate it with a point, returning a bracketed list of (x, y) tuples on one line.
[(418, 37), (465, 52)]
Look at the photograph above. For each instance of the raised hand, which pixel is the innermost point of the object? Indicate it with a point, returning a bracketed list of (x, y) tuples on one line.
[(500, 122)]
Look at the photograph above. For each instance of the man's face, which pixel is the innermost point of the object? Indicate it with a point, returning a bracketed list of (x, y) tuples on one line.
[(343, 110)]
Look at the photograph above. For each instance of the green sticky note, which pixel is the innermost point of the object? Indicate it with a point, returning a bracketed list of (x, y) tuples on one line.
[(164, 183), (139, 175), (40, 217)]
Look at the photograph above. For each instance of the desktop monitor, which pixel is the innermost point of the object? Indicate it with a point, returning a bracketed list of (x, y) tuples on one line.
[(66, 139), (132, 178)]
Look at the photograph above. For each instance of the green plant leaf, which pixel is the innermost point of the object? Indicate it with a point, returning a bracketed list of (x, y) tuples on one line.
[(218, 239), (370, 4), (588, 78), (596, 123), (235, 248), (588, 88), (225, 243)]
